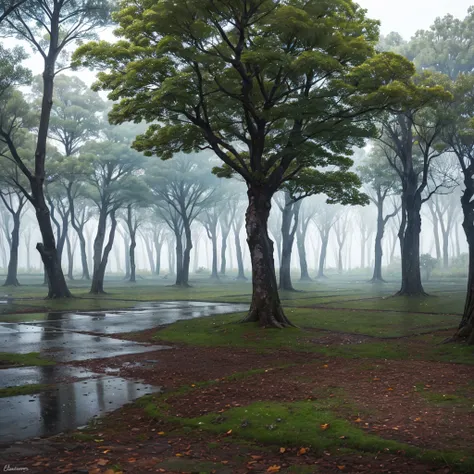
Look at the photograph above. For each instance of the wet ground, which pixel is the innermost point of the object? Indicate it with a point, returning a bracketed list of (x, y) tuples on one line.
[(76, 395)]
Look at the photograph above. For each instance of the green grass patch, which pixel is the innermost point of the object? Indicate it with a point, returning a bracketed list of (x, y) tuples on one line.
[(306, 424), (8, 359), (23, 390)]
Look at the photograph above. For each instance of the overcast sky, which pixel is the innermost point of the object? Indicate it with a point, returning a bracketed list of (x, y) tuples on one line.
[(408, 16)]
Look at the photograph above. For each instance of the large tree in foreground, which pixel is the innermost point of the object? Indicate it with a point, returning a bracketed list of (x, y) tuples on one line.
[(271, 87)]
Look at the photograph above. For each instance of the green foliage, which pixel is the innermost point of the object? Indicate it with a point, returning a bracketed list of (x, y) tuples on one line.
[(29, 359), (282, 96), (446, 47), (23, 390)]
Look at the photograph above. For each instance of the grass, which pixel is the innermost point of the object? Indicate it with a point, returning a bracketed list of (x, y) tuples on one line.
[(312, 425), (23, 390), (21, 360)]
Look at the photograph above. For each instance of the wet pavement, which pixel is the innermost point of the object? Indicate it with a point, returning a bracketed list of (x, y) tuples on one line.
[(78, 395)]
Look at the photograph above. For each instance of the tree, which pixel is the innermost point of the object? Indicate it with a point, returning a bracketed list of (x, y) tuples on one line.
[(112, 163), (8, 6), (137, 198), (447, 47), (458, 134), (50, 27), (341, 229), (182, 189), (381, 181), (325, 218), (271, 87), (411, 139), (307, 213)]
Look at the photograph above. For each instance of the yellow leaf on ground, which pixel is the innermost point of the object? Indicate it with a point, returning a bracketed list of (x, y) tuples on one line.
[(229, 432), (178, 455), (390, 389), (274, 468), (324, 426), (102, 462), (341, 468), (358, 420), (417, 418), (302, 451), (161, 433), (282, 450)]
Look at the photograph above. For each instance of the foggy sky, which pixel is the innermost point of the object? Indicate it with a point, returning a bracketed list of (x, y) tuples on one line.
[(408, 16)]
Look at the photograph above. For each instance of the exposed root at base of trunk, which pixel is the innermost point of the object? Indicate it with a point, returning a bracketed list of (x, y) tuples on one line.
[(9, 283), (55, 297), (98, 292), (464, 334), (269, 319), (410, 293), (179, 285), (377, 280), (306, 278)]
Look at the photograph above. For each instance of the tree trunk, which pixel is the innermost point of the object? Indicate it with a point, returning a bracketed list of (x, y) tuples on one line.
[(187, 252), (126, 245), (101, 259), (70, 259), (290, 213), (223, 253), (266, 307), (158, 246), (149, 252), (84, 264), (196, 256), (300, 243), (378, 253), (214, 274), (179, 260), (322, 255), (12, 275), (410, 246), (131, 252), (238, 251), (47, 249)]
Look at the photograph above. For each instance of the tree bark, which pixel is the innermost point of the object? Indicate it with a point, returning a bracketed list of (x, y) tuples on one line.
[(290, 211), (378, 253), (12, 274), (266, 307), (409, 236), (322, 254), (300, 243), (237, 225), (101, 258), (70, 259), (179, 260)]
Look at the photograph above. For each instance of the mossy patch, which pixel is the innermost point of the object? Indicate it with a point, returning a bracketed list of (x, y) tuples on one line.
[(23, 390), (8, 359)]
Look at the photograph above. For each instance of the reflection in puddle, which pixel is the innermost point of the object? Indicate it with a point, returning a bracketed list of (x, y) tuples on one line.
[(66, 407)]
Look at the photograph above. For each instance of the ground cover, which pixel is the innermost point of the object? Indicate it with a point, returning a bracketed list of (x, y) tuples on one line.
[(350, 390)]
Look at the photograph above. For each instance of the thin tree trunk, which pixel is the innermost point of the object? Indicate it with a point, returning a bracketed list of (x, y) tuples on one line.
[(12, 275), (70, 259), (323, 253), (238, 251), (300, 243)]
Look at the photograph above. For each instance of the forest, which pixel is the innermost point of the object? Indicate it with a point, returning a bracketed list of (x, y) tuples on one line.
[(266, 153)]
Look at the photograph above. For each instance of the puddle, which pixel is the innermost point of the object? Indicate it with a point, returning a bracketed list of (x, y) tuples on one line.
[(143, 316), (51, 374), (67, 407), (64, 346)]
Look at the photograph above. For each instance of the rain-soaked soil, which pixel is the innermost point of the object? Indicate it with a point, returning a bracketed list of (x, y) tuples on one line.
[(76, 395), (390, 399)]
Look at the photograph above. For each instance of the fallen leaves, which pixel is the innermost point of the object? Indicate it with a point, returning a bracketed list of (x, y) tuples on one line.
[(161, 433), (282, 450), (274, 468), (324, 426), (302, 451)]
